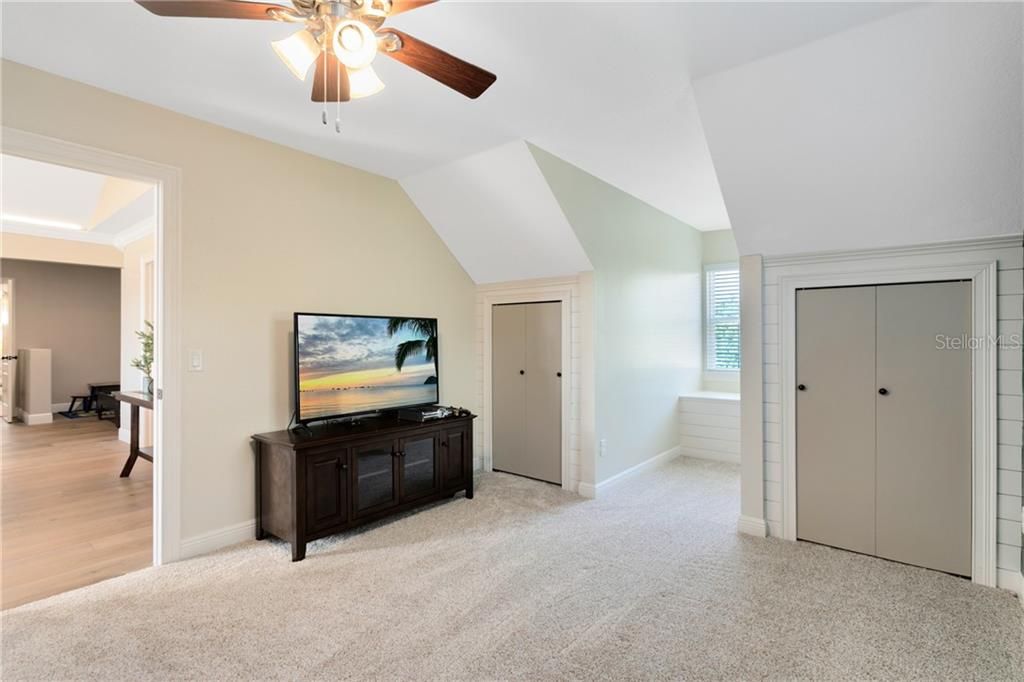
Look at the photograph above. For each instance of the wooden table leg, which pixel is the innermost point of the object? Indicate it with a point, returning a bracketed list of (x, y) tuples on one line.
[(133, 451)]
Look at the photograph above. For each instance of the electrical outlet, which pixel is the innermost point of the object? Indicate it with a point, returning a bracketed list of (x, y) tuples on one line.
[(602, 447)]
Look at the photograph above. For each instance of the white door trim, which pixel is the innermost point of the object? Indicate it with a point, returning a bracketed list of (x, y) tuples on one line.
[(530, 292), (983, 285), (167, 416)]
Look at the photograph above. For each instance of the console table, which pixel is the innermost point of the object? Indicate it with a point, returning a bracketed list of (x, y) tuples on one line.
[(319, 481), (136, 400)]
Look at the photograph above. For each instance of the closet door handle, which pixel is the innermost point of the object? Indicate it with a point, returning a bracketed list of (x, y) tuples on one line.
[(558, 374), (522, 371), (801, 387), (883, 391)]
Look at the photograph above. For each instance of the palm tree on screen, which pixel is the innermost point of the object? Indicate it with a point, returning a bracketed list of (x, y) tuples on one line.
[(428, 344)]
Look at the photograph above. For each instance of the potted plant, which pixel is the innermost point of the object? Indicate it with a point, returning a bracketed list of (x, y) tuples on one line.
[(144, 363)]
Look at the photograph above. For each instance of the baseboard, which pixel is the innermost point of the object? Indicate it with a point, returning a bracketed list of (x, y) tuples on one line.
[(748, 525), (124, 435), (35, 419), (646, 465), (588, 490), (59, 407), (1010, 580), (218, 539), (711, 455)]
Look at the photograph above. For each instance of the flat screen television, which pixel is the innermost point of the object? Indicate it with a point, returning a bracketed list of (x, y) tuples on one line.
[(356, 364)]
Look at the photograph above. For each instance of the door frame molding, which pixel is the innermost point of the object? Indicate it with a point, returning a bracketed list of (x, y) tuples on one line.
[(167, 437), (982, 275), (562, 291)]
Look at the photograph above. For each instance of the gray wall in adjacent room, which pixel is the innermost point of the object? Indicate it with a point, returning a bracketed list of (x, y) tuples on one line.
[(74, 310)]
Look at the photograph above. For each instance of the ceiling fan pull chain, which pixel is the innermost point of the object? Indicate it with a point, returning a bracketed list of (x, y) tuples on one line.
[(323, 114), (337, 105)]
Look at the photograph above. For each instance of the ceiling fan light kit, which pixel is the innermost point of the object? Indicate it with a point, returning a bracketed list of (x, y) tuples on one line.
[(342, 38), (298, 52)]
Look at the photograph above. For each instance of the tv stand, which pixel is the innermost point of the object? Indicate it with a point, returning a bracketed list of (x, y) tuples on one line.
[(315, 482)]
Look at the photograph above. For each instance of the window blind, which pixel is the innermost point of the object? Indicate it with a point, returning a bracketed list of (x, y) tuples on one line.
[(722, 319)]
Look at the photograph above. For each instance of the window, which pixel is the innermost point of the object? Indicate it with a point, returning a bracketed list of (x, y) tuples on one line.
[(722, 317)]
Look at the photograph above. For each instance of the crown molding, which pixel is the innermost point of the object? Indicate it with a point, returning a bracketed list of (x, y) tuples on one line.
[(134, 233), (57, 233), (960, 245)]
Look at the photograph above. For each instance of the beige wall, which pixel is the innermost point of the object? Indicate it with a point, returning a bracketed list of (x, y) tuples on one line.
[(719, 246), (647, 313), (266, 231), (132, 306), (74, 310), (30, 247)]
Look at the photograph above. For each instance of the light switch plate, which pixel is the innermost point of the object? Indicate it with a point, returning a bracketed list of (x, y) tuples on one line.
[(195, 361)]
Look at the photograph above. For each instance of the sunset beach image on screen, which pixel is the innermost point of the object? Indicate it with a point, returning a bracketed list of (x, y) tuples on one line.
[(349, 365)]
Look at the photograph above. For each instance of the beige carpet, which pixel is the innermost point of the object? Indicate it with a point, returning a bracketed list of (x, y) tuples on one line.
[(652, 581)]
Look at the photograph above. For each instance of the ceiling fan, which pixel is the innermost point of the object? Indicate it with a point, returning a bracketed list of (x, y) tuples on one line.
[(341, 37)]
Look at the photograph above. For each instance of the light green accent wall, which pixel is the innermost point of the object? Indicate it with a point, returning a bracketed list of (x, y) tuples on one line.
[(719, 246), (647, 283)]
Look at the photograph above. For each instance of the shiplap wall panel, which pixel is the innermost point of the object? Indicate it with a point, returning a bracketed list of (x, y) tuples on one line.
[(709, 427), (1010, 420)]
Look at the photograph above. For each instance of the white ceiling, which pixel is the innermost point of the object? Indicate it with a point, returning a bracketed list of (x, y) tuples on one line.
[(603, 87), (108, 210), (905, 131), (498, 216)]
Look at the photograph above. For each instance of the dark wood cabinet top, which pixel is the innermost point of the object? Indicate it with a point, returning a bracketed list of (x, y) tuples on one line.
[(317, 435)]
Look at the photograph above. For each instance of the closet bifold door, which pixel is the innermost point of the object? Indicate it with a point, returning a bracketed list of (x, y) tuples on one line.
[(508, 387), (924, 426), (543, 453), (835, 417)]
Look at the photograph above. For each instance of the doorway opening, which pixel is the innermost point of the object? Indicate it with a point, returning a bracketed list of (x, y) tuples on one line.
[(85, 314)]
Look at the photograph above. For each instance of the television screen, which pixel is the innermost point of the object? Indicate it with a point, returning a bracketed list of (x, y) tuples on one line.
[(352, 364)]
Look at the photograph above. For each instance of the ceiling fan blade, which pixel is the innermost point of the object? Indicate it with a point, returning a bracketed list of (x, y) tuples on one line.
[(214, 9), (399, 6), (329, 76), (458, 75)]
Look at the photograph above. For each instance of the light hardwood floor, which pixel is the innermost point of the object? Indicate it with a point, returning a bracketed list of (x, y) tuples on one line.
[(66, 518)]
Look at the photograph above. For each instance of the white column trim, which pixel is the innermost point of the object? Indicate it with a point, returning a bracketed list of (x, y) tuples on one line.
[(937, 266), (169, 365), (751, 518)]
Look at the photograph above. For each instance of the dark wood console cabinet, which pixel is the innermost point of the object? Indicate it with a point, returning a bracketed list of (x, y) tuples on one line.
[(317, 482)]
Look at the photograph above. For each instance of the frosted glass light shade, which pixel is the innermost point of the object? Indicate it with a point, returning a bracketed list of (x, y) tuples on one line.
[(354, 44), (298, 52), (364, 82)]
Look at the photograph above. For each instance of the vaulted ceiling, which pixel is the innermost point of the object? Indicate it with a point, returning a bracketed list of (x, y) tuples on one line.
[(904, 131), (803, 126), (605, 87)]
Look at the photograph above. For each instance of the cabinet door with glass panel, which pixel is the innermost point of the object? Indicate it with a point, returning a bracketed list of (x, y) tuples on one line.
[(377, 466), (419, 466)]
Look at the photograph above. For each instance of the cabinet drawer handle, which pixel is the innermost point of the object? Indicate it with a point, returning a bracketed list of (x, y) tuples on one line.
[(444, 444), (341, 465)]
